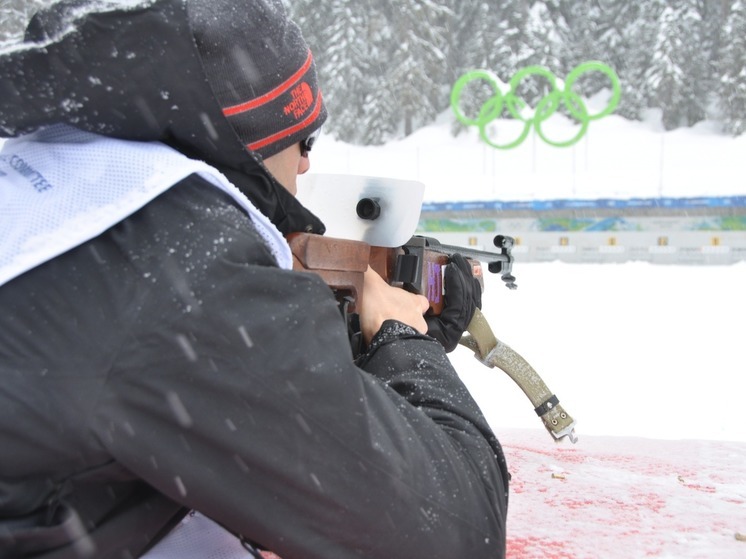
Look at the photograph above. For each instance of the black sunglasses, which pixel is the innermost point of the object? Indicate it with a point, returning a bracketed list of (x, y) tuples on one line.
[(307, 144)]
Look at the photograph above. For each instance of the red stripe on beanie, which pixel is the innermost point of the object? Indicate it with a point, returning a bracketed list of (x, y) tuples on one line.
[(288, 131), (272, 94)]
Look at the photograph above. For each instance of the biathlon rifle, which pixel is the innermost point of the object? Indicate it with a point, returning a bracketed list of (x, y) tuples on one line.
[(417, 266)]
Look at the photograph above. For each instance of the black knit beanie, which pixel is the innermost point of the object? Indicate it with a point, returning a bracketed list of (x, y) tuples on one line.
[(260, 70)]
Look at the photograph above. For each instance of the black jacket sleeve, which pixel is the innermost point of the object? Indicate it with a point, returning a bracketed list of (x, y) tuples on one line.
[(229, 386)]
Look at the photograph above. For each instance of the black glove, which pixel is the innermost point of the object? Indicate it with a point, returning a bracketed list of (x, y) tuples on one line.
[(463, 295)]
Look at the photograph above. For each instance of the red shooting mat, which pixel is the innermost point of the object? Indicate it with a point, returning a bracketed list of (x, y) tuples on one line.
[(625, 498)]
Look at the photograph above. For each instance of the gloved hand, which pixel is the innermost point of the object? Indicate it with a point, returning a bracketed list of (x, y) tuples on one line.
[(463, 295)]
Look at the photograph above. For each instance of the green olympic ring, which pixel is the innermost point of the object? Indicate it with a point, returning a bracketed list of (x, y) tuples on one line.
[(545, 108)]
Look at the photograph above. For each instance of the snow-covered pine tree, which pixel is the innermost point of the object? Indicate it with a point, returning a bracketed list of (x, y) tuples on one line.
[(416, 65), (609, 35), (714, 14), (733, 70), (506, 38), (466, 48), (381, 63), (678, 69), (470, 27), (344, 37), (641, 30), (498, 43), (543, 47), (586, 27), (696, 61)]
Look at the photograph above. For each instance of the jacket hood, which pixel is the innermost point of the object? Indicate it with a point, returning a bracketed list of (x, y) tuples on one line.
[(131, 70)]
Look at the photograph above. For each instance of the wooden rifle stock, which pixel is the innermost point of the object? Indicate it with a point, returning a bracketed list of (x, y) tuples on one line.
[(341, 263)]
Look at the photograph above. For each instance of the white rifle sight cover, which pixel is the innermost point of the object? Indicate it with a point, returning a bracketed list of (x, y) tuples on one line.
[(335, 200)]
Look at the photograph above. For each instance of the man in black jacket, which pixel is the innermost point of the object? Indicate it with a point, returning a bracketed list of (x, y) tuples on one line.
[(158, 355)]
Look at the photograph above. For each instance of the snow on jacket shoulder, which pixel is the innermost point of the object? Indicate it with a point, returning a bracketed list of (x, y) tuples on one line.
[(169, 363)]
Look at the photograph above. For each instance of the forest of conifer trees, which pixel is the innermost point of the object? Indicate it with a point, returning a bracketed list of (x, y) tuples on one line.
[(387, 66)]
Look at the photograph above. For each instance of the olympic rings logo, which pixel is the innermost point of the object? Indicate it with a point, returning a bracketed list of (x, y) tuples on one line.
[(560, 94)]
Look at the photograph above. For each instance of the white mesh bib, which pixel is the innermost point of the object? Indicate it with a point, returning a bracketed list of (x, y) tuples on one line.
[(60, 187)]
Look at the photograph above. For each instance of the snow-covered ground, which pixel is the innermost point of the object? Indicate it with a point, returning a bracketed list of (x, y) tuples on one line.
[(648, 359), (631, 349), (616, 158)]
